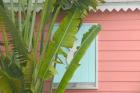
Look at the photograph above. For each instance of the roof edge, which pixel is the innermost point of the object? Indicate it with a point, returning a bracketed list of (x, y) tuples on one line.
[(125, 6), (109, 6)]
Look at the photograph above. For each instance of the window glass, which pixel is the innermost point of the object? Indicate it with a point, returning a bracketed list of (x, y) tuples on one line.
[(86, 75)]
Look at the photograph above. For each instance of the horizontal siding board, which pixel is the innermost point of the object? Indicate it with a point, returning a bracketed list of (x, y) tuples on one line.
[(87, 91), (97, 91), (119, 77), (119, 66), (119, 60), (119, 35), (121, 45), (119, 86), (119, 25), (120, 30), (119, 55), (113, 16)]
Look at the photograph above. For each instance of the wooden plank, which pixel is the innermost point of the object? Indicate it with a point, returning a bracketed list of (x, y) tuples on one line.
[(96, 91), (119, 35), (119, 86), (119, 66), (119, 25), (119, 45), (119, 55), (119, 76)]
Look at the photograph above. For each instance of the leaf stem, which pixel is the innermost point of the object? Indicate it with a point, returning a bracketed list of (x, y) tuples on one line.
[(20, 16), (32, 26), (12, 10), (50, 30)]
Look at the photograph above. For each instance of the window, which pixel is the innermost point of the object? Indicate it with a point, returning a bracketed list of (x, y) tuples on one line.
[(86, 75)]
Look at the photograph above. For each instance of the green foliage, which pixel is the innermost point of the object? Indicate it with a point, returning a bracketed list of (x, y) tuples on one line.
[(5, 86), (81, 4), (66, 30), (1, 3), (87, 40), (18, 44), (30, 59), (8, 84)]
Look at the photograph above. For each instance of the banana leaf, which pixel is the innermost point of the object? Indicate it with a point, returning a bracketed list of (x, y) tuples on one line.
[(75, 63), (45, 18), (67, 30)]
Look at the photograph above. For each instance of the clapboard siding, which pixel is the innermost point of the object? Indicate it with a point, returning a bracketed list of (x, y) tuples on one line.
[(119, 35), (119, 55), (119, 52), (119, 66), (121, 76), (99, 92), (119, 46), (120, 25)]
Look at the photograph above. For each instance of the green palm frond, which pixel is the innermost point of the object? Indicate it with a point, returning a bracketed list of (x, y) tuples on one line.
[(67, 28), (47, 11), (28, 70), (9, 85), (19, 47), (81, 4), (41, 66), (1, 3)]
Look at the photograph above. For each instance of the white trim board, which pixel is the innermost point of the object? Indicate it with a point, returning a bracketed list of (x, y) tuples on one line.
[(109, 5), (119, 6)]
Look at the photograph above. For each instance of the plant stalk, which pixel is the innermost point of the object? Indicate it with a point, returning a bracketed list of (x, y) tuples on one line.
[(32, 26), (48, 38), (12, 10), (20, 15)]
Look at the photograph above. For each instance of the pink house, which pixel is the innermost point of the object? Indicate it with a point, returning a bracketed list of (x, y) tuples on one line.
[(118, 47), (117, 68)]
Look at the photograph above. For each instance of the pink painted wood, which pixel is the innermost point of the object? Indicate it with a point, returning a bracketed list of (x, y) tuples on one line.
[(119, 35), (119, 52), (119, 46)]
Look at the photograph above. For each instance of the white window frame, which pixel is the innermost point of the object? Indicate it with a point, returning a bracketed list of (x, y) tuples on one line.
[(85, 86)]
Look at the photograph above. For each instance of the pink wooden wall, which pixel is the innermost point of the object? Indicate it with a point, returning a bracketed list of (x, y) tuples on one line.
[(119, 52)]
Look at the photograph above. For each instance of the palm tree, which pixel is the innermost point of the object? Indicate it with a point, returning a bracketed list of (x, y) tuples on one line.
[(30, 57)]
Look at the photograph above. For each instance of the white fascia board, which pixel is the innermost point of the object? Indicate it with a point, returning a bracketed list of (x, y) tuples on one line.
[(119, 6), (109, 5), (15, 1)]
